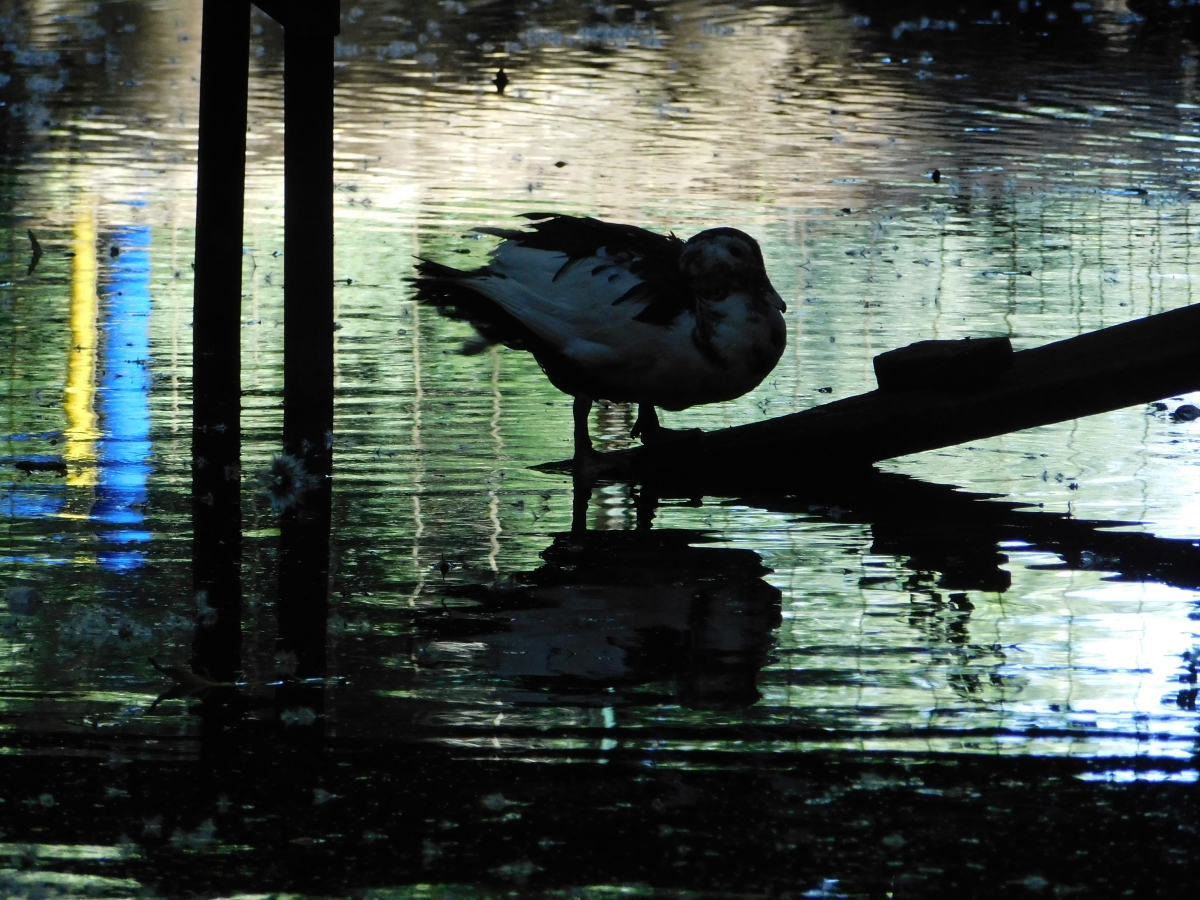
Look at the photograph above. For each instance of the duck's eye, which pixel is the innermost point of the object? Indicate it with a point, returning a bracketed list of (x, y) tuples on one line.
[(735, 252)]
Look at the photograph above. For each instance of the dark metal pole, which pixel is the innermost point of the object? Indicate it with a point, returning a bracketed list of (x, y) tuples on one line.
[(309, 29), (216, 357)]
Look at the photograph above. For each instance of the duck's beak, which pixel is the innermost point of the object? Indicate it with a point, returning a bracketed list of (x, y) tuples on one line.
[(772, 297)]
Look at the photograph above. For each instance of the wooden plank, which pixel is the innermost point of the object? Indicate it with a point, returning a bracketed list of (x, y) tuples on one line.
[(940, 364), (1124, 365), (216, 335), (308, 338)]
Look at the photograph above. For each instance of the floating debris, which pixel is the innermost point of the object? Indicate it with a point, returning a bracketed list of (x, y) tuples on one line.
[(430, 852), (96, 626), (493, 802), (500, 81), (286, 481), (187, 683), (517, 872), (397, 50), (28, 466), (206, 615), (23, 600), (286, 663), (37, 253), (299, 716), (128, 849), (607, 36), (200, 839)]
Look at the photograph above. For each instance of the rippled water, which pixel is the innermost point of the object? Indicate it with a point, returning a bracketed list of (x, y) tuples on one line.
[(901, 618)]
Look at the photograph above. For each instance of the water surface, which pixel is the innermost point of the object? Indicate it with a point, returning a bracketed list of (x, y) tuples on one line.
[(896, 619)]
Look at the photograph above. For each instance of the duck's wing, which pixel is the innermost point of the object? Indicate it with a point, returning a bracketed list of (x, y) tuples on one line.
[(606, 249), (572, 285), (462, 294)]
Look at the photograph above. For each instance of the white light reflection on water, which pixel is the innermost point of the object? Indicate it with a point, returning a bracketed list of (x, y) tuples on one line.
[(1126, 776), (1062, 205)]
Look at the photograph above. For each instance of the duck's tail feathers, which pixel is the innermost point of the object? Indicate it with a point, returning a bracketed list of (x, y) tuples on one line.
[(507, 233), (539, 221), (457, 294)]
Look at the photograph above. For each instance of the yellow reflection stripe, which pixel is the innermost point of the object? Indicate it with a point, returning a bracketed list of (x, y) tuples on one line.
[(79, 399)]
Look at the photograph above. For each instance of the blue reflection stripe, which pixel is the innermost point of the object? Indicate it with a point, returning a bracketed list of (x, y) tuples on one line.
[(126, 537), (22, 502), (123, 397), (120, 561)]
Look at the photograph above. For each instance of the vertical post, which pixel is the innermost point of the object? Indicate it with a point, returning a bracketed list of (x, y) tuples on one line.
[(216, 320), (309, 29)]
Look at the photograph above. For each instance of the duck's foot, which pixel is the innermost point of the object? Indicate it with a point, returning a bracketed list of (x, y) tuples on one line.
[(661, 437), (652, 433), (588, 463)]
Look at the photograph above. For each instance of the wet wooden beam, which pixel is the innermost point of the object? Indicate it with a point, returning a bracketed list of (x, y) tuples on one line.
[(309, 30), (308, 234), (216, 336), (1128, 364), (323, 13)]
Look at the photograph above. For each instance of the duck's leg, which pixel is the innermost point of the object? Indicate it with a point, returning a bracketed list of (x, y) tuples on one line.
[(647, 427), (582, 408), (586, 463)]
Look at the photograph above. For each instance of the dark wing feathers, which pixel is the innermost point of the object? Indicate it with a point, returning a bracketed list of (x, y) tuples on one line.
[(581, 236), (653, 258), (449, 290), (662, 288)]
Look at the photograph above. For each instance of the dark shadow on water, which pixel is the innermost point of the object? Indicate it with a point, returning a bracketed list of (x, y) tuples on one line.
[(941, 529), (654, 617), (955, 535), (620, 610), (613, 618)]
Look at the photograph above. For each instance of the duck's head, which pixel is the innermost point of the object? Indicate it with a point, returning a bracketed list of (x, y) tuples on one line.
[(722, 261)]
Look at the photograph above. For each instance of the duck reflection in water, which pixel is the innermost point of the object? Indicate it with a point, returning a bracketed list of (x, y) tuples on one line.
[(626, 610)]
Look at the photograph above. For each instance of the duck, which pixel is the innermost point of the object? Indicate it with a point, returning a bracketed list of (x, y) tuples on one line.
[(620, 313)]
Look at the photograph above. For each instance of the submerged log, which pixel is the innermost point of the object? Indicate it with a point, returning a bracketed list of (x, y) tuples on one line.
[(1124, 365), (958, 534)]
